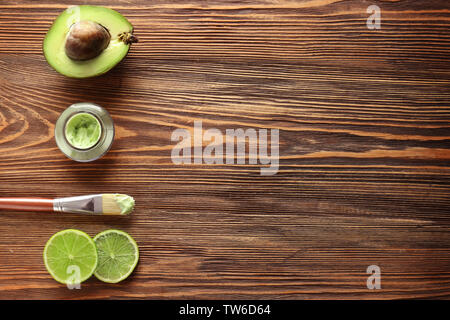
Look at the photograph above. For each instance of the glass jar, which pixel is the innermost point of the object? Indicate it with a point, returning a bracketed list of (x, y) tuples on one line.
[(84, 132)]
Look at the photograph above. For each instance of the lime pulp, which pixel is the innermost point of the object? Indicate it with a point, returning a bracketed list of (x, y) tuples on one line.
[(118, 255), (70, 256)]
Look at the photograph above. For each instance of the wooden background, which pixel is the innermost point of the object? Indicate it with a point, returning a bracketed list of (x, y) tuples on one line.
[(364, 178)]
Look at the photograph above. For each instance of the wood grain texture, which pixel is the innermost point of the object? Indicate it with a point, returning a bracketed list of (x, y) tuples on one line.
[(364, 177)]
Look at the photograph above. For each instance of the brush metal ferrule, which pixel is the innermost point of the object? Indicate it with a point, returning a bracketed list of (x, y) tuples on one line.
[(91, 204)]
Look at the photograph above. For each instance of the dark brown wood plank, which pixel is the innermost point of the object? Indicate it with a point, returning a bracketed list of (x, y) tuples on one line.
[(364, 177)]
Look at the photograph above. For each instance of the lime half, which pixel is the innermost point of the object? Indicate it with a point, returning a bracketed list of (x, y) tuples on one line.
[(70, 256), (118, 255)]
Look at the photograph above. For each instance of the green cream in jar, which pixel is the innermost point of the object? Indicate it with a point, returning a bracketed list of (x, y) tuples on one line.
[(83, 130)]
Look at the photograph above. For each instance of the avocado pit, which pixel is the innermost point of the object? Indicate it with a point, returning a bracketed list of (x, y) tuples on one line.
[(86, 40)]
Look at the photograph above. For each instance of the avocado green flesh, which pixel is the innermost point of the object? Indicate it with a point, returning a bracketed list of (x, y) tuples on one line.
[(55, 39), (83, 130)]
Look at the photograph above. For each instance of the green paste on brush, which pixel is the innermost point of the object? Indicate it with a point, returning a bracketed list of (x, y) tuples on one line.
[(83, 130), (125, 202)]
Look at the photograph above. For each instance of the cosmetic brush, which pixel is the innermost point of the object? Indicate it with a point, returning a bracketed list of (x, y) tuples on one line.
[(97, 204)]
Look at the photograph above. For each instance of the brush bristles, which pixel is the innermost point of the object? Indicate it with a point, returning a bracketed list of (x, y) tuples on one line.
[(110, 205)]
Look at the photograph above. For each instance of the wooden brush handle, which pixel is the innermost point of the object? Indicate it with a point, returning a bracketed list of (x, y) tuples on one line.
[(26, 204)]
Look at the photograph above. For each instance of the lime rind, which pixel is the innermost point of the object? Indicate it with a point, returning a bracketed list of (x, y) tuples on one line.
[(64, 244), (118, 255)]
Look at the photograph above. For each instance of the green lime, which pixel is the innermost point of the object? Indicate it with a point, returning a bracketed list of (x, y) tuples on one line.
[(118, 255), (70, 256)]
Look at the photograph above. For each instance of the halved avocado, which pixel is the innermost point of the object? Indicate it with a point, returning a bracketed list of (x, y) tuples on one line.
[(86, 41)]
